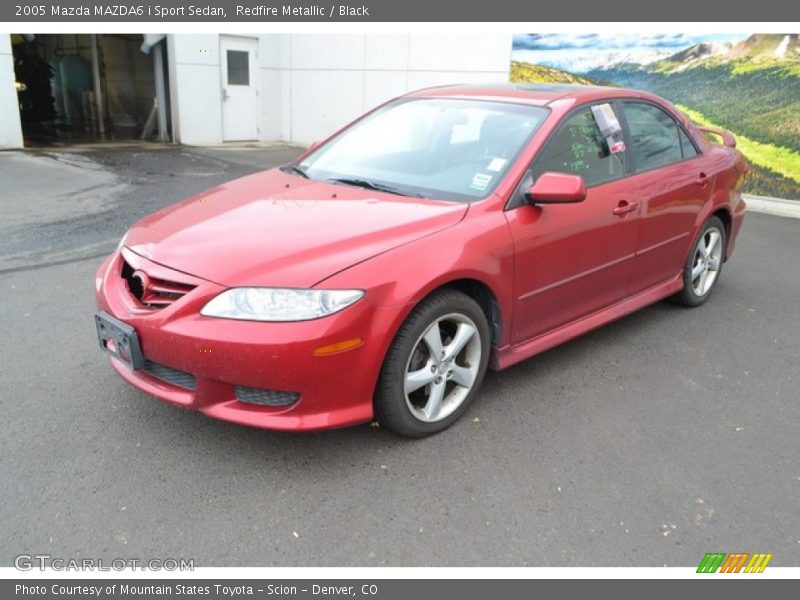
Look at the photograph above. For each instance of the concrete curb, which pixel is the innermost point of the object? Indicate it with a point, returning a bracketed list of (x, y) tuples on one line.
[(773, 206)]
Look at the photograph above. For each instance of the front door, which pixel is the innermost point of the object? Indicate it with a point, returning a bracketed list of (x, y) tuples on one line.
[(573, 259), (239, 89)]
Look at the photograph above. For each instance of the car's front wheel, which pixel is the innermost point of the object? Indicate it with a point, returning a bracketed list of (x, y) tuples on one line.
[(703, 267), (434, 366)]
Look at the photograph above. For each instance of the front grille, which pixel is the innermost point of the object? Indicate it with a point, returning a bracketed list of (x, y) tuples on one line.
[(175, 377), (152, 292), (265, 397)]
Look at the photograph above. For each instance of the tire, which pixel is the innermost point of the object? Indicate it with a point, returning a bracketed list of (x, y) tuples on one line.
[(704, 264), (418, 395)]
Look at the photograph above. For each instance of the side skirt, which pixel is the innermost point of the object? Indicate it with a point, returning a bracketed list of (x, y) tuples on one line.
[(510, 355)]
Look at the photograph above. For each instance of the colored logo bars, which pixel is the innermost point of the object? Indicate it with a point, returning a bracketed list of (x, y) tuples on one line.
[(734, 562)]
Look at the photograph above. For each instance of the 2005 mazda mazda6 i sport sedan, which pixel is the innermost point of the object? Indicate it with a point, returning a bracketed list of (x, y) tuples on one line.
[(447, 231)]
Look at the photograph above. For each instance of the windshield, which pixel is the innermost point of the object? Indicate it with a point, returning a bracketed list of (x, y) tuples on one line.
[(434, 148)]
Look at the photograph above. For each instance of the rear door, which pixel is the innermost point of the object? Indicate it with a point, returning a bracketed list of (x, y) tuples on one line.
[(673, 184), (573, 259)]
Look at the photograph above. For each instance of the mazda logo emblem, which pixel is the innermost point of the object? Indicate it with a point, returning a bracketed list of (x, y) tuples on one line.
[(144, 280)]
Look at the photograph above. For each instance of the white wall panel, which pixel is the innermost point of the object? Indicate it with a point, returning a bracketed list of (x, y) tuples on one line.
[(380, 67), (423, 79), (323, 101), (273, 50), (10, 128), (324, 51), (380, 86), (286, 105), (389, 51), (460, 52), (271, 103), (197, 49), (199, 105)]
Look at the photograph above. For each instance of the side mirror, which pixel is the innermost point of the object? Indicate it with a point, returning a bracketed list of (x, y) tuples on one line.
[(557, 188)]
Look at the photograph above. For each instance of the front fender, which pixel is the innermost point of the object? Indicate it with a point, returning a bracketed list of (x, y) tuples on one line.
[(478, 248)]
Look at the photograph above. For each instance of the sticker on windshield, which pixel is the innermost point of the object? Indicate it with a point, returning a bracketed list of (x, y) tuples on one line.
[(480, 181), (496, 164)]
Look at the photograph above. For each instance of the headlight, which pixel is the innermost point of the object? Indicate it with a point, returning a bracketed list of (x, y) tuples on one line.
[(274, 304)]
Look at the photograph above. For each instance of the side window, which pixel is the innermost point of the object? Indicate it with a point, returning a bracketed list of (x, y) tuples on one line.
[(655, 137), (687, 147), (579, 148)]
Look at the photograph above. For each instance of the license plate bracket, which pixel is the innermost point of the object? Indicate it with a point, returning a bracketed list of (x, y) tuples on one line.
[(120, 340)]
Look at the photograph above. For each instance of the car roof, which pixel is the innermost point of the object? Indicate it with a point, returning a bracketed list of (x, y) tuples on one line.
[(538, 94)]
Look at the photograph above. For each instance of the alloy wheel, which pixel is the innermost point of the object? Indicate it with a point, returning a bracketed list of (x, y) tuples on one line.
[(442, 368), (707, 261)]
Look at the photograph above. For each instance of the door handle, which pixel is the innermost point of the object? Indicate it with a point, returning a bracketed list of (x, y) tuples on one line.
[(624, 207), (702, 179)]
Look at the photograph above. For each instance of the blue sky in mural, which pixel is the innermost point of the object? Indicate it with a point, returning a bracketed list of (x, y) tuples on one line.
[(579, 53)]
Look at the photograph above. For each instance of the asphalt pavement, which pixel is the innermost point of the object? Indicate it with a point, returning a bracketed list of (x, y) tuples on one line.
[(666, 435)]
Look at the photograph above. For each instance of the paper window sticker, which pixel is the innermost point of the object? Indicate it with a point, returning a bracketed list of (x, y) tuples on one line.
[(496, 164), (480, 181)]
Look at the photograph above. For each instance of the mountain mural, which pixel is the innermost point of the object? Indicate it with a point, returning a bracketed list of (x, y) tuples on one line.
[(522, 72), (750, 86)]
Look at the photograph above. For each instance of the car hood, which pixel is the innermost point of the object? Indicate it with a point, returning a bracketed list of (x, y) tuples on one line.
[(275, 229)]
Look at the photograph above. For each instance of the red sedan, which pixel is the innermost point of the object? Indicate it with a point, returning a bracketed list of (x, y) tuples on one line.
[(447, 231)]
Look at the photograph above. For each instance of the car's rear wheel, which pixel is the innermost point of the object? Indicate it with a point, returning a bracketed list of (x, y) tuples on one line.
[(434, 366), (704, 265)]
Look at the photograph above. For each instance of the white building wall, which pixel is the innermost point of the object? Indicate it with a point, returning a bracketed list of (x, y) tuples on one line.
[(313, 84), (273, 51), (332, 79), (10, 128), (195, 88)]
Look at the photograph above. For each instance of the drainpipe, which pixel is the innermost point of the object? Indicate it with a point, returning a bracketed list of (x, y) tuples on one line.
[(149, 40), (153, 41), (98, 92), (161, 96)]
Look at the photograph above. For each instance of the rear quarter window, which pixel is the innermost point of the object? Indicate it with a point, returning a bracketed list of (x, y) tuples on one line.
[(687, 146)]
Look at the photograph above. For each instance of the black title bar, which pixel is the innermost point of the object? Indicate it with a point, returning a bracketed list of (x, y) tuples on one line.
[(260, 11)]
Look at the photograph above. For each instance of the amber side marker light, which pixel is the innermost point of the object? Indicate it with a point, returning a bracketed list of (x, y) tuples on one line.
[(339, 347)]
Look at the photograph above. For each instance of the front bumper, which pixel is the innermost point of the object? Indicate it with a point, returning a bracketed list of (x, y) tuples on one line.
[(220, 354)]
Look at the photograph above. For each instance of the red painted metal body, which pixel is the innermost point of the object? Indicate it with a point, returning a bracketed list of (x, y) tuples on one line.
[(554, 271)]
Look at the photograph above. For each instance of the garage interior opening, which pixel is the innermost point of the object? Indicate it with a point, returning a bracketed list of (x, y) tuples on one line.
[(87, 88)]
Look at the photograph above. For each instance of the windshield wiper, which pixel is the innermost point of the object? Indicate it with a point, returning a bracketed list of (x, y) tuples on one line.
[(295, 169), (372, 185)]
